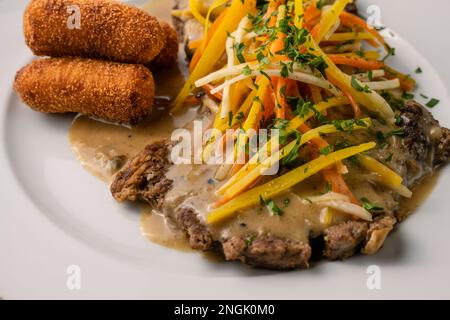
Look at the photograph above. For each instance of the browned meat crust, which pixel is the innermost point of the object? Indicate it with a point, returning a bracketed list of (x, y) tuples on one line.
[(343, 240), (425, 139), (144, 176), (169, 54), (377, 233), (199, 236), (268, 252), (108, 90), (108, 29)]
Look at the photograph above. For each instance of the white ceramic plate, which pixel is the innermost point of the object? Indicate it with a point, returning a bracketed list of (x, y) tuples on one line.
[(53, 214)]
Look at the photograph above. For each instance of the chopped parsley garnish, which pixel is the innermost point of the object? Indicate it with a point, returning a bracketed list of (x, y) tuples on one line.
[(391, 52), (249, 240), (356, 85), (326, 150), (286, 68), (418, 70), (328, 188), (240, 47), (271, 206), (432, 103), (247, 71), (389, 157), (370, 75), (371, 207), (321, 3), (407, 96), (348, 125)]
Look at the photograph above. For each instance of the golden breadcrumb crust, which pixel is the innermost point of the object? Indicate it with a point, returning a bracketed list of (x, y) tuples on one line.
[(169, 53), (109, 90), (109, 30)]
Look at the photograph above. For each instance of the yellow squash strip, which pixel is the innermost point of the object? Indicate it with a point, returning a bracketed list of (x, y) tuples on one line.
[(299, 14), (331, 128), (257, 171), (299, 120), (249, 166), (214, 49), (237, 182), (252, 119), (195, 10), (283, 183), (369, 55), (347, 36), (372, 101), (330, 17), (387, 175), (244, 109), (216, 4)]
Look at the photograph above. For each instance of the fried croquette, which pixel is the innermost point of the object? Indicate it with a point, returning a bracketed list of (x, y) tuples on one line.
[(169, 53), (101, 29), (112, 91)]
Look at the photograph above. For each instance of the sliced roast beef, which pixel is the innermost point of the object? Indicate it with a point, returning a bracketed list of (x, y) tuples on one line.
[(144, 177)]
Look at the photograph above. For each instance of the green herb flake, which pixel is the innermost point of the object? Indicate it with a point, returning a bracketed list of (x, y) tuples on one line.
[(371, 207), (432, 103), (407, 96), (271, 206), (247, 71), (356, 85)]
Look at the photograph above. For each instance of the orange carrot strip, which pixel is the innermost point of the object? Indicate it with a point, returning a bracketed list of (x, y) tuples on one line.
[(354, 104), (312, 13), (195, 44), (351, 20), (331, 175), (356, 62), (198, 53), (208, 88), (406, 82)]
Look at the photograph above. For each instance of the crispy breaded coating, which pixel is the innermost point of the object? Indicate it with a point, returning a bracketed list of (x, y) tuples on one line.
[(109, 90), (108, 30), (169, 53)]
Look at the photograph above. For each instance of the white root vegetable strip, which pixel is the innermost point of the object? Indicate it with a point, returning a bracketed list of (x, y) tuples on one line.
[(365, 76), (349, 208), (238, 69), (383, 85), (297, 76), (236, 37), (330, 196)]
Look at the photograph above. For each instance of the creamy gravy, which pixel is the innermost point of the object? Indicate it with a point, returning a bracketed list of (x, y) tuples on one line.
[(194, 187), (420, 193), (156, 228)]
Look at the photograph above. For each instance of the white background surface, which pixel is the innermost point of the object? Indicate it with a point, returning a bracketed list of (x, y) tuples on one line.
[(53, 214)]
